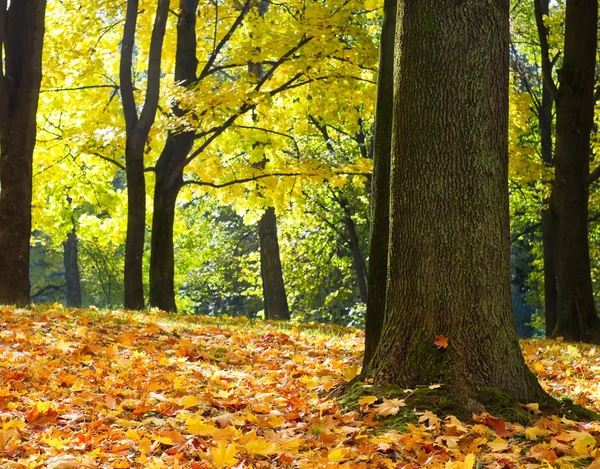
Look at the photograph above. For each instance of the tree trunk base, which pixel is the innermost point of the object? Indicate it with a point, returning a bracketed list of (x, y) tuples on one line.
[(444, 401)]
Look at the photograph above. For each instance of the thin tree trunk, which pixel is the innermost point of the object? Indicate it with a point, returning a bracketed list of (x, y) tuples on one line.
[(72, 277), (21, 38), (137, 131), (577, 318), (275, 298), (358, 262), (449, 254), (380, 196), (545, 119), (169, 172)]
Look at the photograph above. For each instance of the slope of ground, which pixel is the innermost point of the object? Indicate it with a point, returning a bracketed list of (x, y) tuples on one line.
[(93, 389)]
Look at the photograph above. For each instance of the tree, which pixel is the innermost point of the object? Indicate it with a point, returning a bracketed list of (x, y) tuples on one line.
[(574, 98), (137, 131), (380, 196), (169, 180), (448, 275), (21, 39)]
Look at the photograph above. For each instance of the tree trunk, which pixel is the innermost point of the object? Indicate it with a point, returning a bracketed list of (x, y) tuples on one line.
[(380, 197), (449, 255), (21, 38), (137, 131), (136, 224), (276, 305), (162, 256), (358, 262), (72, 277), (545, 119), (169, 172), (577, 318)]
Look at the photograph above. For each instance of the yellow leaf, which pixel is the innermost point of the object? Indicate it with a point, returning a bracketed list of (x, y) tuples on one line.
[(337, 455), (532, 433), (197, 426), (498, 445), (261, 447), (468, 463), (224, 454), (188, 401), (351, 372), (367, 400)]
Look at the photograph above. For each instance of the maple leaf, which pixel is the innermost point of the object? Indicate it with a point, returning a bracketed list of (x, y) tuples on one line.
[(224, 454), (367, 400), (198, 426), (337, 455), (498, 425), (441, 341), (389, 406)]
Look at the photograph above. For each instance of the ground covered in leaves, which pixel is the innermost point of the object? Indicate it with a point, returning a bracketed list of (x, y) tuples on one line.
[(93, 389)]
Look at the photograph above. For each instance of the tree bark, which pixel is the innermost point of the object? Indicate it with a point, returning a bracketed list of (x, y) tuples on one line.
[(21, 38), (449, 255), (169, 172), (577, 318), (358, 262), (72, 277), (380, 197), (275, 298), (137, 131)]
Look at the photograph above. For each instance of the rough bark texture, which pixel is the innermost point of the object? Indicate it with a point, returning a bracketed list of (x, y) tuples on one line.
[(276, 305), (21, 38), (577, 318), (449, 272), (169, 170), (358, 261), (72, 277), (380, 197), (137, 131)]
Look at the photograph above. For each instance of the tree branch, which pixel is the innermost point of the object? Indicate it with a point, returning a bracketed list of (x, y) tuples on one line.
[(110, 160), (80, 88), (256, 177), (153, 83), (545, 49), (213, 55), (126, 64)]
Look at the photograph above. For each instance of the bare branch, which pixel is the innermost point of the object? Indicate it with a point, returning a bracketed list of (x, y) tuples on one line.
[(238, 21), (256, 177), (80, 88), (545, 48), (110, 160)]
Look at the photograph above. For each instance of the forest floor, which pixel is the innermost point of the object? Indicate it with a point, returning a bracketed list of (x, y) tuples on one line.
[(94, 389)]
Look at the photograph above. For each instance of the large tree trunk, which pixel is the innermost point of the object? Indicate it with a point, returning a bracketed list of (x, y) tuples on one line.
[(21, 38), (577, 318), (137, 131), (169, 172), (449, 256), (358, 262), (72, 277), (276, 305), (380, 197)]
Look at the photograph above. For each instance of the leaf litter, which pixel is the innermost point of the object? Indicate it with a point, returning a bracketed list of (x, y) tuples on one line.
[(114, 389)]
